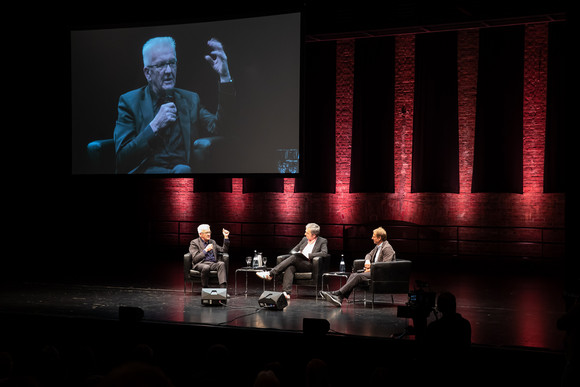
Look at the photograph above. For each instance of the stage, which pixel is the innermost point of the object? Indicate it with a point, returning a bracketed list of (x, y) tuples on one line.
[(512, 314)]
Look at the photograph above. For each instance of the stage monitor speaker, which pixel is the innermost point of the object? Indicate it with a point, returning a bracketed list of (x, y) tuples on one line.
[(214, 296), (273, 300)]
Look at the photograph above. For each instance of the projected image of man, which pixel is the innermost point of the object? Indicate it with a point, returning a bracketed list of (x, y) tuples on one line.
[(158, 123)]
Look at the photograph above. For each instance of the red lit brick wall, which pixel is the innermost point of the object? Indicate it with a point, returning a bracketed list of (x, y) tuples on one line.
[(404, 91), (344, 108), (528, 224), (467, 57), (535, 87)]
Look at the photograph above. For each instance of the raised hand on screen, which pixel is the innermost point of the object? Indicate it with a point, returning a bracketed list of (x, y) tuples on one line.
[(218, 60)]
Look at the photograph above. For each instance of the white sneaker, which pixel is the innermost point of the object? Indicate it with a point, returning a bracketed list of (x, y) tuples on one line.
[(264, 275), (286, 295)]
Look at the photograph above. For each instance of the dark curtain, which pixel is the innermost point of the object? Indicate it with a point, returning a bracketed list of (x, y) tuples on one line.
[(263, 184), (318, 169), (555, 155), (498, 154), (212, 184), (435, 121), (372, 160)]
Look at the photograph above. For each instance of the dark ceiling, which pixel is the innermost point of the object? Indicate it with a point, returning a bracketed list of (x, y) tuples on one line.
[(324, 17), (404, 15)]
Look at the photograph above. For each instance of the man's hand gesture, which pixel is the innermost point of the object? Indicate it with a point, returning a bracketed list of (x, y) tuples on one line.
[(218, 60)]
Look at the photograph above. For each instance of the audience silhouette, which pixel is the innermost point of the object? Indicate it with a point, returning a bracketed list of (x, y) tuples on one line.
[(447, 344)]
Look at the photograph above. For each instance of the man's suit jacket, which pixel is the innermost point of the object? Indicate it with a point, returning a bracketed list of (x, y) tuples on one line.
[(197, 247), (387, 253), (320, 247), (135, 141)]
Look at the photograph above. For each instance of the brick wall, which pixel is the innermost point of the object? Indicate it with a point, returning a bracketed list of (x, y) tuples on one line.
[(535, 91), (344, 111), (528, 224)]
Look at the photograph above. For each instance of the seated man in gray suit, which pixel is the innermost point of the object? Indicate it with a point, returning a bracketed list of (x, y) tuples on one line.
[(204, 258), (382, 252), (300, 260), (158, 123)]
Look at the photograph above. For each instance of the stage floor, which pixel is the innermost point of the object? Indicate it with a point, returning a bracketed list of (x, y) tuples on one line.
[(505, 309)]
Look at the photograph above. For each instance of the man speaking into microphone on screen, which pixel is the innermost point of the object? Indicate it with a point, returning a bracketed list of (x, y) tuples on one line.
[(157, 124)]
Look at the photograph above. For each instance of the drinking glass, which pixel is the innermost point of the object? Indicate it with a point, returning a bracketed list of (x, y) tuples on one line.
[(248, 261), (264, 260)]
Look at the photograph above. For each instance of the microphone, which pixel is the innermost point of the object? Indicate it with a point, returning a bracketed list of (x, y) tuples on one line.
[(167, 96)]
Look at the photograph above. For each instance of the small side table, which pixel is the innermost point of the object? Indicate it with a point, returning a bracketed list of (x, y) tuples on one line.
[(339, 274), (247, 270)]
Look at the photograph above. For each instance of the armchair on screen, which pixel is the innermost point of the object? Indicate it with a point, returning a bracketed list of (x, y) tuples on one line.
[(101, 153), (194, 276), (320, 265), (101, 156), (386, 278)]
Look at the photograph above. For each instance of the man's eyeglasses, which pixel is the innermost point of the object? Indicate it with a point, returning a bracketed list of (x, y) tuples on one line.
[(161, 66)]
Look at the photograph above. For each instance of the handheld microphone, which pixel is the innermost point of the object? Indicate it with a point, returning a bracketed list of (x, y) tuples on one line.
[(168, 96)]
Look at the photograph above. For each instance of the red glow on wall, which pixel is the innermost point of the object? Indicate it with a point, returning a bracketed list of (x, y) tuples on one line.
[(404, 105), (467, 61), (344, 109), (532, 209), (535, 91)]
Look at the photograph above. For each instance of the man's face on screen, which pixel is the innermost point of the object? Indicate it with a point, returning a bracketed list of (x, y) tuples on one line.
[(162, 72)]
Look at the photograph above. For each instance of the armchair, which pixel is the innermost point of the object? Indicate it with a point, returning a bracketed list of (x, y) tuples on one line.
[(101, 153), (194, 276), (320, 265), (101, 156), (386, 278)]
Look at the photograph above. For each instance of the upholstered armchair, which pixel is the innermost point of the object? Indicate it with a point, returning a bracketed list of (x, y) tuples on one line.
[(386, 278), (320, 265), (194, 276), (101, 153)]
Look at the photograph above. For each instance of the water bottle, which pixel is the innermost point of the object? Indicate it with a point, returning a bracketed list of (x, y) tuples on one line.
[(260, 259), (255, 263), (342, 266)]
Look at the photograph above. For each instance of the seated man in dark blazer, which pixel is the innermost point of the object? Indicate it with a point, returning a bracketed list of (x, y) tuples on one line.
[(300, 260), (204, 257), (382, 252), (157, 124)]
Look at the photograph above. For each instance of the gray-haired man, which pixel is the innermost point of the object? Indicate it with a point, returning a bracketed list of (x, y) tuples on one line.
[(204, 257), (300, 259)]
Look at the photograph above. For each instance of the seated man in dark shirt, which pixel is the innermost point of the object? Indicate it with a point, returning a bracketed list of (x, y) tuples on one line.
[(204, 251), (157, 124)]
